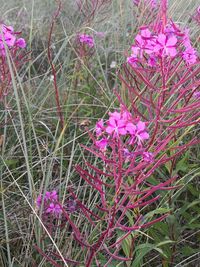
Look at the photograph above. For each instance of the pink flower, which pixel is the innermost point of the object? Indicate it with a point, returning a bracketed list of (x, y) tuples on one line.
[(189, 55), (152, 61), (145, 42), (136, 2), (7, 28), (102, 144), (52, 196), (166, 46), (197, 95), (116, 125), (138, 132), (9, 39), (147, 156), (135, 51), (132, 60), (39, 201), (54, 209), (21, 43), (99, 127), (86, 39)]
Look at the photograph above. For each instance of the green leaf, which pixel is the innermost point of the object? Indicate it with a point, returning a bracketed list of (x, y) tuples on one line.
[(142, 250), (157, 211), (166, 242)]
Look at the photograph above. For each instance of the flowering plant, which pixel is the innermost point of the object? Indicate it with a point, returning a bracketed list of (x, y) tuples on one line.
[(11, 46), (135, 141)]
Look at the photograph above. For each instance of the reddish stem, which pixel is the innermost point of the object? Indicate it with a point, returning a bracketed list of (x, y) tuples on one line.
[(53, 70)]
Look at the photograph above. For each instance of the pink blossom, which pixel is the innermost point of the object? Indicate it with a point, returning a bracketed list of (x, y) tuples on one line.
[(136, 2), (102, 143), (99, 128), (21, 43), (135, 51), (116, 125), (52, 196), (166, 46), (189, 55), (86, 39), (147, 156), (54, 209), (138, 132), (39, 201), (9, 39), (197, 95), (152, 61), (132, 60), (144, 43)]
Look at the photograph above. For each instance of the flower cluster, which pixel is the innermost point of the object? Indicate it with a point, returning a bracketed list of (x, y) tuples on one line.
[(122, 125), (9, 37), (86, 39), (51, 205), (169, 43)]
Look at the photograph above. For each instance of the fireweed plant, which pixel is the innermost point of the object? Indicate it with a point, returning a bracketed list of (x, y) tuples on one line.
[(84, 45), (10, 45), (162, 78)]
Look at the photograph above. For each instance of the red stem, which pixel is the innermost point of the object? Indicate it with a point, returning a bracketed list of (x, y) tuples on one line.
[(53, 70)]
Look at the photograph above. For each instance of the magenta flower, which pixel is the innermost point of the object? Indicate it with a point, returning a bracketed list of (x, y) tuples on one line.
[(132, 60), (166, 46), (86, 39), (54, 209), (50, 203), (99, 128), (152, 61), (39, 201), (52, 196), (196, 95), (138, 132), (148, 157), (136, 2), (189, 55), (102, 144), (116, 125), (21, 43), (144, 42), (8, 37)]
